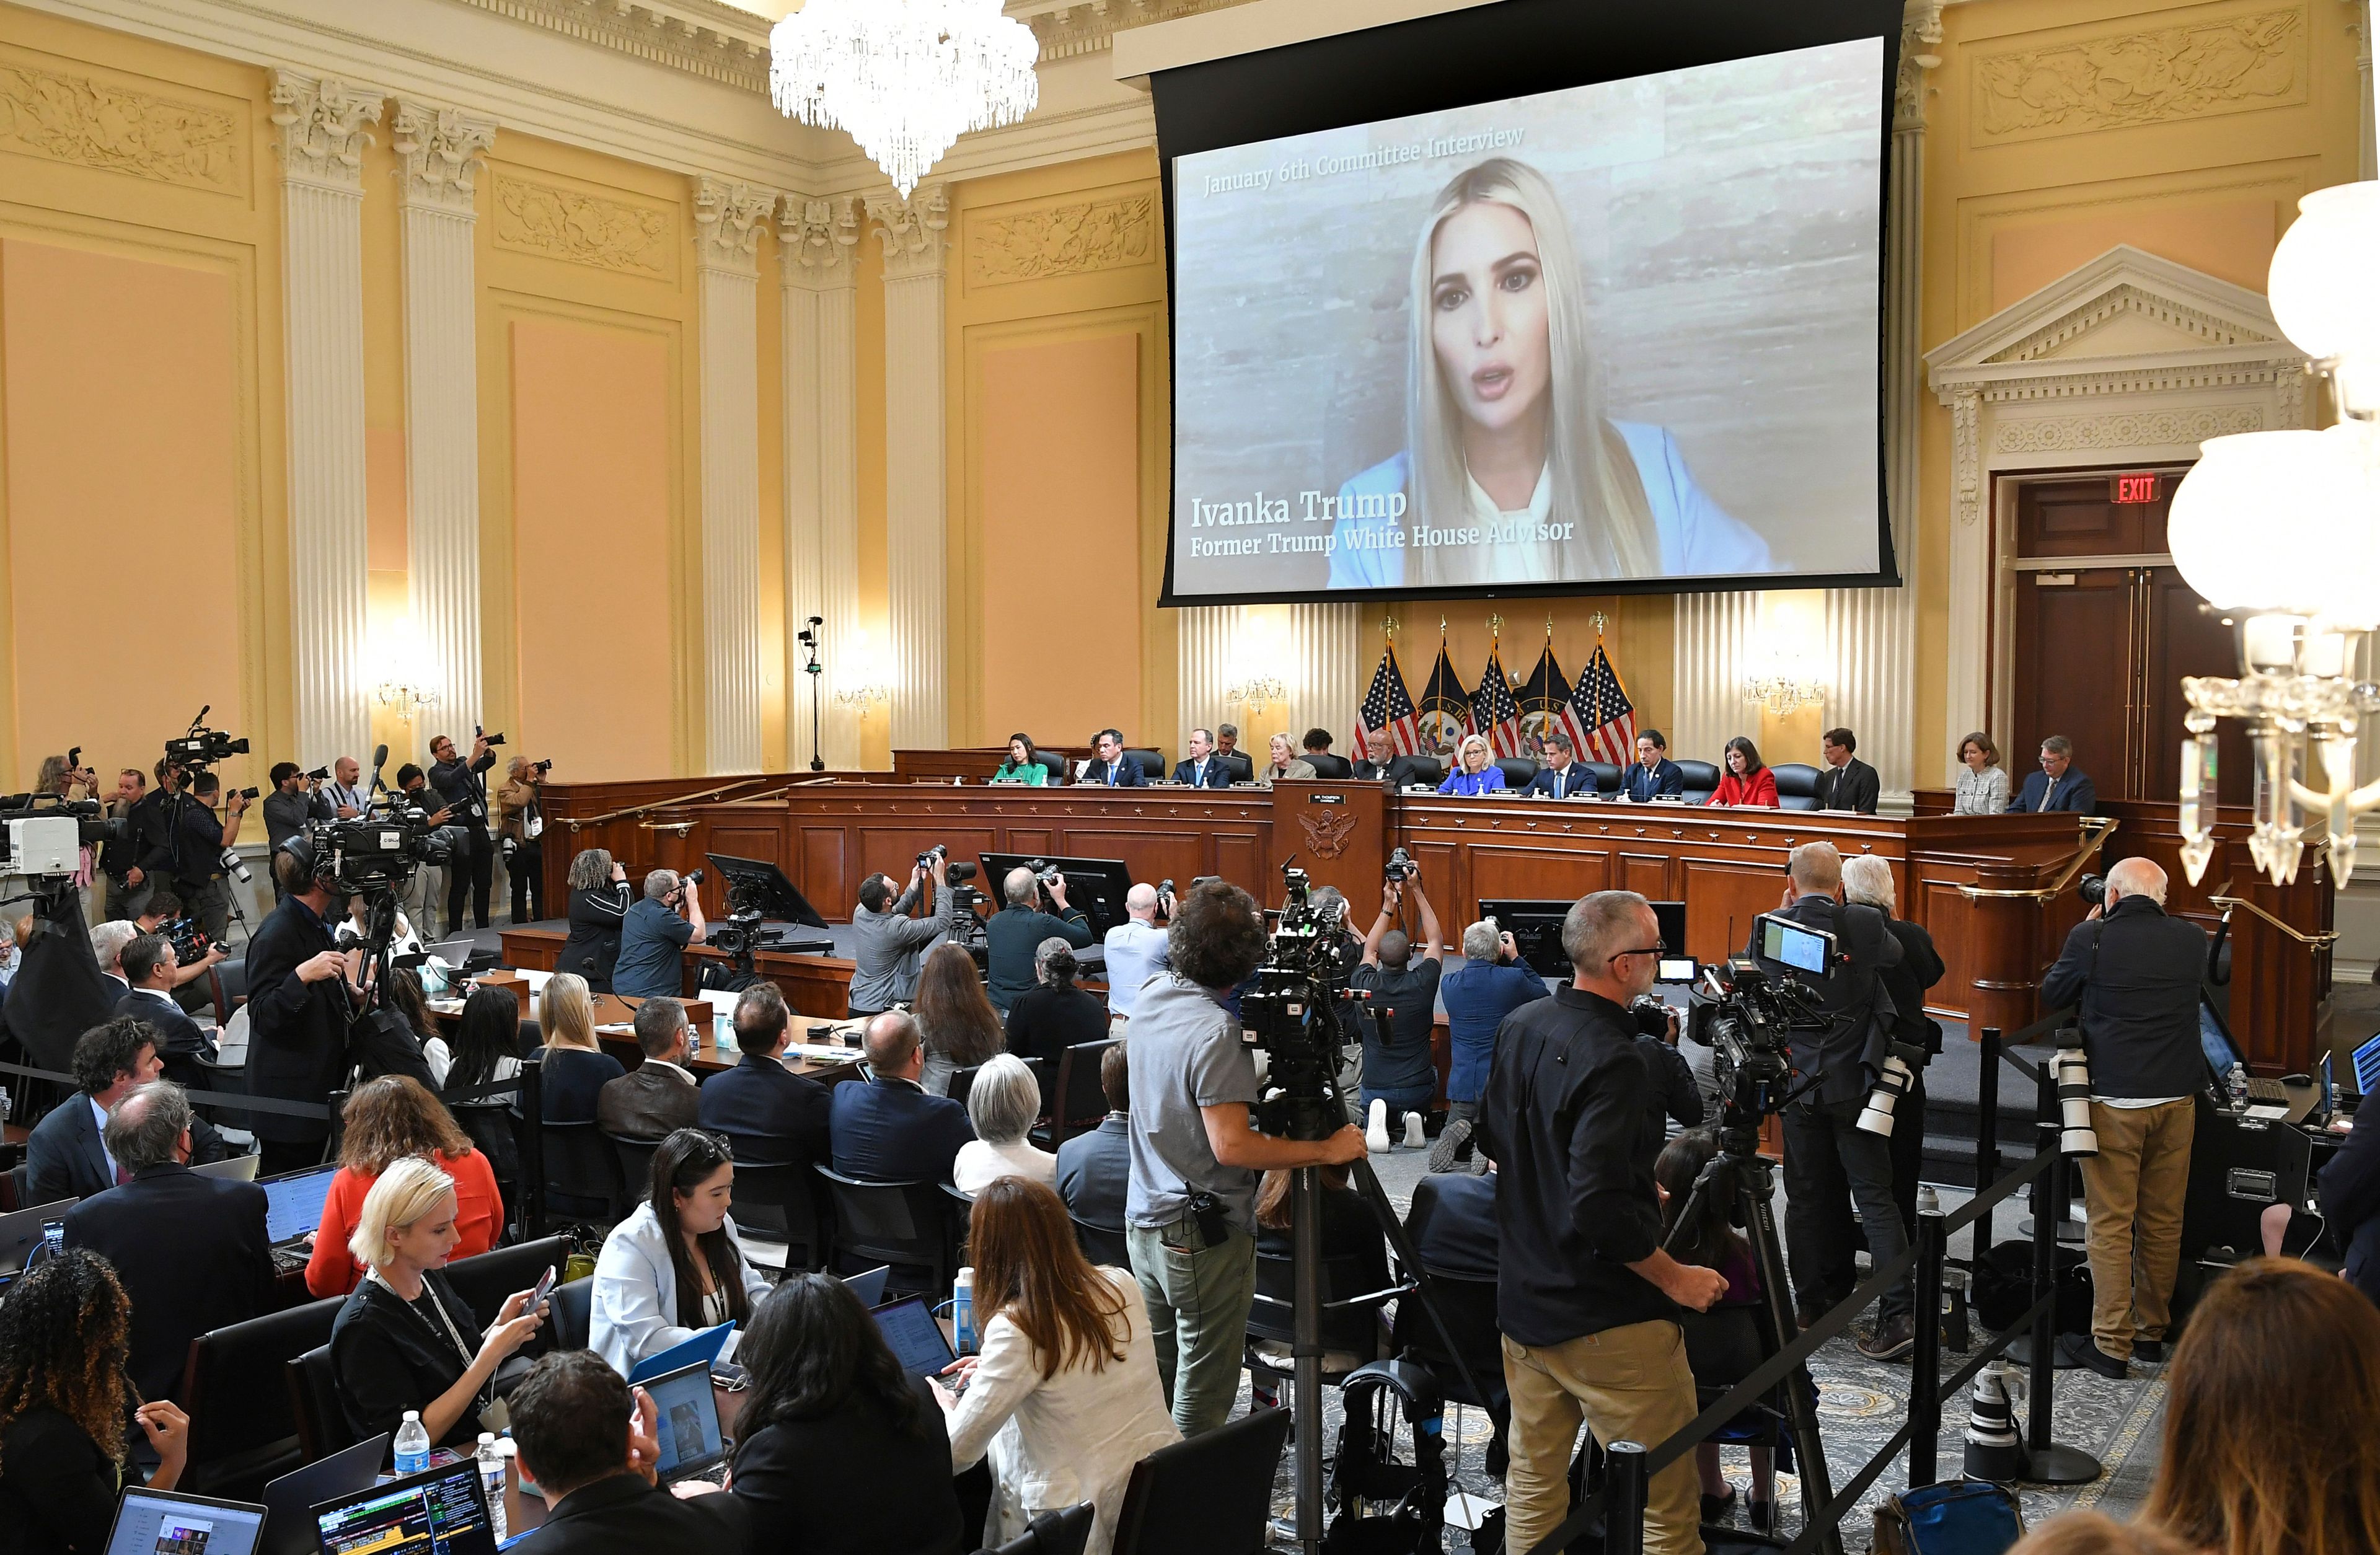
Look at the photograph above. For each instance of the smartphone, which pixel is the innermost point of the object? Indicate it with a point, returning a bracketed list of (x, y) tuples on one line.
[(545, 1287), (53, 1234)]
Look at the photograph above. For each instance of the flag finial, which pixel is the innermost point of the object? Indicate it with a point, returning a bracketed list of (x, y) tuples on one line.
[(1495, 626), (1550, 625), (1441, 628), (1598, 621), (1388, 626)]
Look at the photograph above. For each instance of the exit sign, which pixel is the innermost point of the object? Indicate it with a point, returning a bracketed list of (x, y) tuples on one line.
[(2134, 488)]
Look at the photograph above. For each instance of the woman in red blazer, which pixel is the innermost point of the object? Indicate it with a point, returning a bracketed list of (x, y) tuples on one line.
[(1746, 782)]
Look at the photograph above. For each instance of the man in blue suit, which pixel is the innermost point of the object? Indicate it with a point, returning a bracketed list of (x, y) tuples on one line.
[(886, 1129), (1114, 769), (1653, 775), (65, 1156), (767, 1112), (1204, 769), (2059, 786), (1561, 777)]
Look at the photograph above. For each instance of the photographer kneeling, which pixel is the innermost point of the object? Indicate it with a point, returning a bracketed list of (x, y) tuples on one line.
[(2136, 974)]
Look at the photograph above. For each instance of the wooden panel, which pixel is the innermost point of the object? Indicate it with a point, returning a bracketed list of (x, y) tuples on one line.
[(822, 872), (2186, 637), (2074, 668), (1648, 875), (1500, 873), (1241, 860), (1149, 853), (1722, 901)]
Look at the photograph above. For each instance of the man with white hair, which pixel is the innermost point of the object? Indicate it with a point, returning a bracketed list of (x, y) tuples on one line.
[(1135, 951), (1828, 1159), (107, 942), (2135, 972)]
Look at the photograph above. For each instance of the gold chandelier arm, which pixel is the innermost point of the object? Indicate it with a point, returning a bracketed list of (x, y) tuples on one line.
[(2320, 940)]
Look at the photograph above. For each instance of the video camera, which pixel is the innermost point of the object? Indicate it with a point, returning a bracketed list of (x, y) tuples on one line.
[(375, 854), (1291, 1008), (1747, 1019), (202, 747), (736, 936), (44, 836), (189, 941)]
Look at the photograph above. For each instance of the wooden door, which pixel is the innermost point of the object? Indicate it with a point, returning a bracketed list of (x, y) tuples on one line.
[(2076, 669), (2187, 636)]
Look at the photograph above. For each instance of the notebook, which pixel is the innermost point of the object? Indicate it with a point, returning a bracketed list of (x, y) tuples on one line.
[(701, 1350)]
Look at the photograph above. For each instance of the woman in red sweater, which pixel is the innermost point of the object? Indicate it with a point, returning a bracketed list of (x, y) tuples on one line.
[(387, 1120), (1747, 782)]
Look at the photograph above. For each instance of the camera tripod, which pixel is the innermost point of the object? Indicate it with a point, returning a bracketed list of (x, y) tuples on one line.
[(1740, 1169)]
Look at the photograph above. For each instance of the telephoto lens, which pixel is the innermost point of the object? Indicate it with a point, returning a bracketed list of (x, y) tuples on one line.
[(2075, 1136), (233, 867), (1892, 1083)]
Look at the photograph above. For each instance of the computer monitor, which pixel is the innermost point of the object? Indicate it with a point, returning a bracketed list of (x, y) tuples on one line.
[(762, 884), (2366, 1063), (293, 1203), (441, 1511), (685, 1417), (1536, 927), (916, 1340), (1796, 945), (1094, 885), (20, 1231), (167, 1523), (2214, 1042)]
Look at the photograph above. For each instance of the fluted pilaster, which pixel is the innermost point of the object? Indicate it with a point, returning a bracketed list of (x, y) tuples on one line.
[(819, 240), (729, 220), (1716, 636), (440, 153), (1322, 654), (916, 260), (321, 130)]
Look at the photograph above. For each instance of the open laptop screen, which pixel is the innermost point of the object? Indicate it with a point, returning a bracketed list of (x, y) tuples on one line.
[(157, 1523)]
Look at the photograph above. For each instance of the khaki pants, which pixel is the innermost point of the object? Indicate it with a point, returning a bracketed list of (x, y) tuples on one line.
[(2133, 1189), (1628, 1384)]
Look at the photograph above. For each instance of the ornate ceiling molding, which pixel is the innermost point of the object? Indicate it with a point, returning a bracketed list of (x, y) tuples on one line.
[(702, 38)]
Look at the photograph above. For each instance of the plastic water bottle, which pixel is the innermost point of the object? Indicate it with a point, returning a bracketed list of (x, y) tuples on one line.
[(722, 1032), (2237, 1086), (412, 1445), (963, 1310), (492, 1471)]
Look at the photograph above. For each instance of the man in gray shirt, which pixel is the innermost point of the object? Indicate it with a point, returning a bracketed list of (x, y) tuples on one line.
[(1190, 1212), (289, 807), (892, 944)]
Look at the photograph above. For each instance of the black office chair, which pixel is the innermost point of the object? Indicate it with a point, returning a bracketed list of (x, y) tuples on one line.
[(1101, 1245), (1242, 768), (1063, 1532), (636, 1167), (1326, 765), (1152, 761), (1211, 1495), (1797, 785), (1517, 770), (224, 1080), (1351, 1316), (582, 1174), (1607, 776), (903, 1224), (314, 1403), (243, 1432), (485, 1281), (1700, 779), (1468, 1304), (227, 986), (572, 1322), (778, 1202), (1427, 770), (1078, 1101), (20, 1188)]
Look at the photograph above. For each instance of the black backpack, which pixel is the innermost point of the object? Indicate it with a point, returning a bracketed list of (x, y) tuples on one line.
[(1388, 1502)]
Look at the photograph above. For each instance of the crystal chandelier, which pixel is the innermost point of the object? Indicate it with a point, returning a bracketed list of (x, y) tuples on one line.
[(905, 79), (1781, 691), (2281, 531)]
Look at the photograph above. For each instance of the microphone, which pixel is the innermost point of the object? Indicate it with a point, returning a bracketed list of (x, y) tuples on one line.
[(380, 757)]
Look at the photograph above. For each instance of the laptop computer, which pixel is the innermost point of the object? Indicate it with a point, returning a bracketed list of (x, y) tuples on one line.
[(443, 1511), (685, 1417), (237, 1168), (167, 1522), (916, 1340), (20, 1232), (290, 1501), (701, 1350), (869, 1285), (2266, 1098), (293, 1208)]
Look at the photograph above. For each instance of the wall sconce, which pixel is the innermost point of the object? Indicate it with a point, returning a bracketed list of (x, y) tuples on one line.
[(1783, 688), (402, 675), (865, 687), (1257, 693)]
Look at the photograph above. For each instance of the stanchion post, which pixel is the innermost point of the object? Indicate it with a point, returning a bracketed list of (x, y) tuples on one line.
[(2049, 1188), (1987, 1139), (2048, 1463), (1624, 1489), (1926, 1363)]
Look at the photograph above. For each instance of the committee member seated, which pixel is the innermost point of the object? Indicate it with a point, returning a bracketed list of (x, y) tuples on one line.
[(1095, 1169), (1315, 747), (405, 1341), (767, 1112), (64, 1402), (889, 943), (1135, 950), (885, 1128), (389, 1120), (1492, 982), (1067, 1377), (1227, 740), (1115, 767), (67, 1155), (1016, 933), (1025, 765), (2059, 785), (190, 1250), (1203, 769), (572, 1066), (1982, 781), (956, 1022), (1381, 763), (1745, 780), (659, 1096), (1054, 1014), (654, 936), (1845, 782), (1399, 1076), (592, 1447), (598, 907), (1654, 776), (825, 1387), (1563, 776), (148, 966), (1283, 764), (1474, 773), (675, 1265), (1001, 1105)]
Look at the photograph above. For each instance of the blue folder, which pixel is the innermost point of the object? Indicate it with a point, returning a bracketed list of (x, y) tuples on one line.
[(702, 1349)]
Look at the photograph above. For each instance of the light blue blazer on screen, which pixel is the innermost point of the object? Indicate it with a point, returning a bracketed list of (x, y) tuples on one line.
[(1697, 539)]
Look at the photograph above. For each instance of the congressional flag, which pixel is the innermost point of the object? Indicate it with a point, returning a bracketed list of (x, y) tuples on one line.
[(1545, 706), (1600, 704), (1388, 708), (1444, 716), (1494, 713)]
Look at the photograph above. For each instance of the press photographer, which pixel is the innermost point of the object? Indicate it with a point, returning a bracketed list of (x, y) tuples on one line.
[(2135, 972), (654, 935), (119, 857), (890, 944), (201, 856), (293, 802), (1586, 1299), (1827, 1153), (298, 1010), (458, 782), (1868, 881), (1015, 931), (1400, 1078), (523, 838)]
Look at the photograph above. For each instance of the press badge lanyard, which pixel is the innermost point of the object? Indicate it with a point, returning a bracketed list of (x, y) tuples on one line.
[(446, 1320)]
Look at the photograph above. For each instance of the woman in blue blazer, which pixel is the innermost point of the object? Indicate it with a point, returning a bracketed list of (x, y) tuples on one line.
[(1473, 774)]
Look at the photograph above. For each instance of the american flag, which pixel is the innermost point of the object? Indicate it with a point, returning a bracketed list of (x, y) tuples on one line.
[(1600, 705), (1443, 717), (1493, 711), (1545, 701), (1389, 707)]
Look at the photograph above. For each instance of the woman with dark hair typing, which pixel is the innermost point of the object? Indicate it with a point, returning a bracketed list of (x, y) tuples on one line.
[(405, 1341), (825, 1387), (675, 1265), (1054, 1014), (1065, 1397), (387, 1120), (64, 1344)]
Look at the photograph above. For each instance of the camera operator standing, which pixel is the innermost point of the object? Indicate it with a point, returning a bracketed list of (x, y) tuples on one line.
[(1016, 933), (1826, 1154), (892, 944), (289, 807), (524, 830), (1586, 1299), (2135, 972), (119, 858), (299, 1012), (459, 784), (198, 841), (1190, 1211), (1868, 880)]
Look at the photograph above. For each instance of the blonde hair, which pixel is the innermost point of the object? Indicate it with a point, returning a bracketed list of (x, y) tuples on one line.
[(564, 1014), (408, 1190), (1462, 751), (1592, 474), (1868, 881)]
